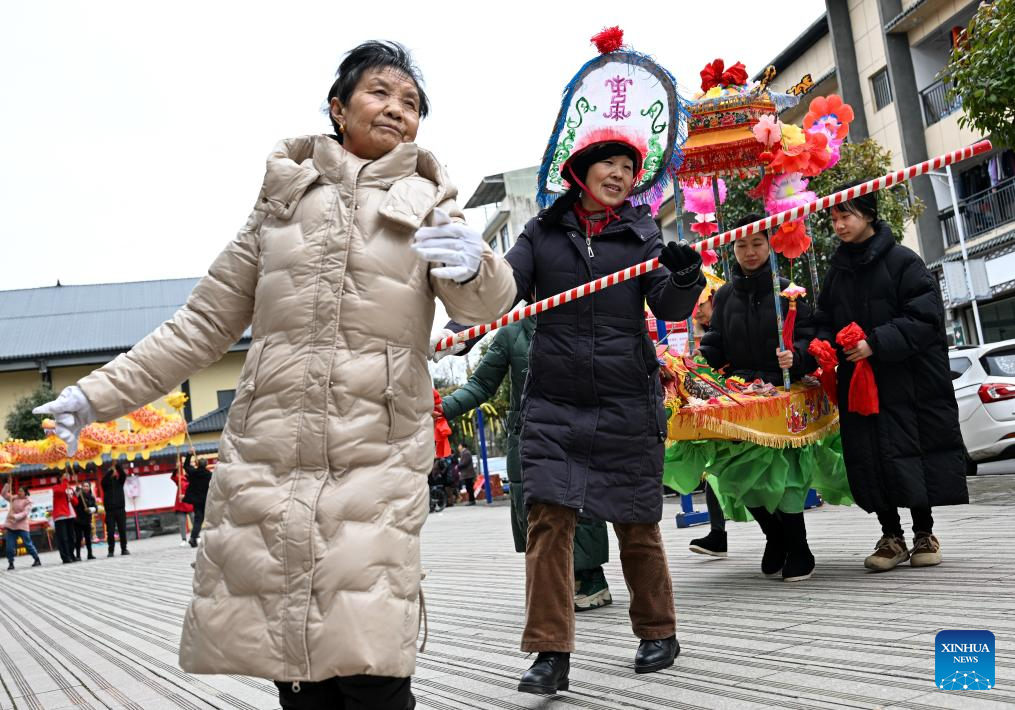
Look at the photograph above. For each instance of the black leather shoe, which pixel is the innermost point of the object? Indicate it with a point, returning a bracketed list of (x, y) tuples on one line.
[(547, 675), (655, 655)]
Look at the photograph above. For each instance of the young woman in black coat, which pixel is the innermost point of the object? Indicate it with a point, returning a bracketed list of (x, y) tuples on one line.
[(742, 339), (593, 422), (910, 454)]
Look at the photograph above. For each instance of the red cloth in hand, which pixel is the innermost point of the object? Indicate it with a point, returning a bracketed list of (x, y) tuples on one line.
[(789, 326), (441, 430), (863, 390), (825, 354)]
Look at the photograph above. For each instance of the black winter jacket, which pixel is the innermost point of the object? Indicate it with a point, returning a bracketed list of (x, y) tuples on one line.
[(112, 491), (742, 335), (910, 454), (593, 423), (198, 480), (85, 501)]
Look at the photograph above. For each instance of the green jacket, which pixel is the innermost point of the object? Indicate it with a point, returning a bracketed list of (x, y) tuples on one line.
[(508, 355)]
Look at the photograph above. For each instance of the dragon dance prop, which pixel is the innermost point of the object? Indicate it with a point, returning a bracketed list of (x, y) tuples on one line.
[(142, 432), (718, 240)]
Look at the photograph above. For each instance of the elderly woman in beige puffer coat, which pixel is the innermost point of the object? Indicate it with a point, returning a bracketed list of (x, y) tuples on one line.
[(309, 567)]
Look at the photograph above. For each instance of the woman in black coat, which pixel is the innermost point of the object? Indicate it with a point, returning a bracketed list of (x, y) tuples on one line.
[(593, 422), (743, 340), (911, 453), (83, 511)]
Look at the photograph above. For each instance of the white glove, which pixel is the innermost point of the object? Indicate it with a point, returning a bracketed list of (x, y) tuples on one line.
[(455, 246), (72, 412), (438, 355)]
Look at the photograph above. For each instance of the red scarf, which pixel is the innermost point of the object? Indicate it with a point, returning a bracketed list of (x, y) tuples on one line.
[(593, 223)]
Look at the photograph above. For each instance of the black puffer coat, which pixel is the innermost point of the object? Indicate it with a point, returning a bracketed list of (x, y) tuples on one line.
[(742, 335), (593, 423), (911, 454)]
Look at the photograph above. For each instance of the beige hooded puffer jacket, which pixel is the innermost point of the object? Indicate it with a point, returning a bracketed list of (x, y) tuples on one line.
[(310, 567)]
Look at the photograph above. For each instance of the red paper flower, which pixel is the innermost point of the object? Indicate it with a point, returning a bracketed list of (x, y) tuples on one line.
[(735, 75), (703, 228), (809, 158), (714, 75), (609, 40), (709, 257), (831, 114), (791, 239), (711, 75)]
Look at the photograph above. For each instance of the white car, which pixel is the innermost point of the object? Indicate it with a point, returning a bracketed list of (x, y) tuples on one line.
[(984, 380)]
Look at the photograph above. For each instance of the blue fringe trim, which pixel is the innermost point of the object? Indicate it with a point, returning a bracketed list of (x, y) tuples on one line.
[(679, 118), (783, 101)]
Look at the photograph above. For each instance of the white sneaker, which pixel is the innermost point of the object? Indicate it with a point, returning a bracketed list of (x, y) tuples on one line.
[(184, 543)]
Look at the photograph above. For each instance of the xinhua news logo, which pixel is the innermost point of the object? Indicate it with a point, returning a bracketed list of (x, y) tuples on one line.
[(964, 660)]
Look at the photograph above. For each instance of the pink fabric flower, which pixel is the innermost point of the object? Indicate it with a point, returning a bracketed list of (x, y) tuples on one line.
[(698, 196), (786, 191), (767, 130), (704, 226)]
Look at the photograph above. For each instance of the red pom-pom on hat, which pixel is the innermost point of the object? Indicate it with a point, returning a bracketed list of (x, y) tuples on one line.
[(609, 40)]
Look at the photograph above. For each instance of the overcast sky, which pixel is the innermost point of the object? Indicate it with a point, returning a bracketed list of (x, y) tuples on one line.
[(134, 133)]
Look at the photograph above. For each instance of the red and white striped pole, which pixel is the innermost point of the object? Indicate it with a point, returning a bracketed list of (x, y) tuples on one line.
[(721, 239)]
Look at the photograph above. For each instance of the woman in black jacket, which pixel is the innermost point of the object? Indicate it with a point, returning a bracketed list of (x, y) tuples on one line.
[(593, 423), (910, 454), (743, 340), (83, 511)]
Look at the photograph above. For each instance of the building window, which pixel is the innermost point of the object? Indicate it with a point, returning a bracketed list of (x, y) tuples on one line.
[(225, 397), (881, 87), (493, 243), (505, 239)]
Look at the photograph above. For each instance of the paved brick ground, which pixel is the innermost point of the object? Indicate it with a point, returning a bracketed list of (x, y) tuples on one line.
[(104, 634)]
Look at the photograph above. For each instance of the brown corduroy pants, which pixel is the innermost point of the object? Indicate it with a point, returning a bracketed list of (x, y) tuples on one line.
[(549, 579)]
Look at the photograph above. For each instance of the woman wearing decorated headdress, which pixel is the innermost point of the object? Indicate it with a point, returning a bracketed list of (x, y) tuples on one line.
[(594, 426)]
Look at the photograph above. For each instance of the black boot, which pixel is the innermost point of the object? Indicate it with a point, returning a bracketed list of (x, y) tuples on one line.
[(799, 560), (775, 547), (37, 563), (547, 675), (655, 655), (713, 544), (10, 566)]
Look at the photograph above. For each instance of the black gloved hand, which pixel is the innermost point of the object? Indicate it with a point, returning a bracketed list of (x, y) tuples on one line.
[(683, 262)]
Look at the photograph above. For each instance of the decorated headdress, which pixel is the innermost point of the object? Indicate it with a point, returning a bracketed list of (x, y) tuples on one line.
[(624, 97)]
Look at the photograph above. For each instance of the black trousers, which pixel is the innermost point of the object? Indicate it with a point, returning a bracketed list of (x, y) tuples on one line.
[(716, 519), (195, 532), (470, 487), (116, 521), (65, 538), (82, 533), (358, 692), (891, 523)]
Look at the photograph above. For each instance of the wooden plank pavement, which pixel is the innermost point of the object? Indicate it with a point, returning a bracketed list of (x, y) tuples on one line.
[(104, 634)]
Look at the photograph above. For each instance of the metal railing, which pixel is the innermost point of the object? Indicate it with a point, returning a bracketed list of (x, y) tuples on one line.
[(936, 104), (982, 212)]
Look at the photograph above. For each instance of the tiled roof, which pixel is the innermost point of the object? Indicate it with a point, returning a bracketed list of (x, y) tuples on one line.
[(67, 320), (214, 420)]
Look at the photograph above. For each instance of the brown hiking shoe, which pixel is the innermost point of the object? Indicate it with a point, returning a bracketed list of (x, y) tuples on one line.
[(888, 554), (926, 551)]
